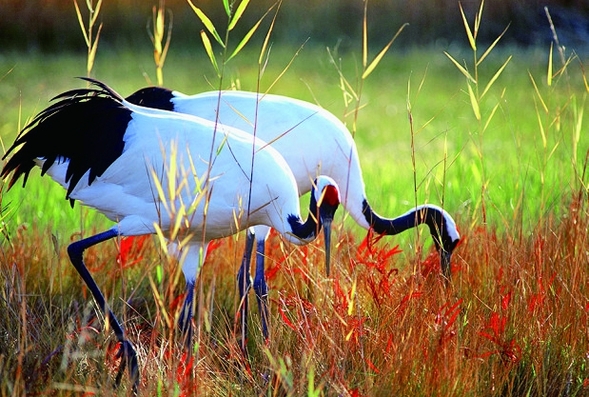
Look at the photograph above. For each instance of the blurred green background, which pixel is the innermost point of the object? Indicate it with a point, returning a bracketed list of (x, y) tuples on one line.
[(51, 25)]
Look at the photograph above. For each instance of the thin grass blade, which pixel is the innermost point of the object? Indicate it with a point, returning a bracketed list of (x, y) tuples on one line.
[(238, 13), (226, 7), (488, 50), (461, 68), (245, 40), (92, 53), (95, 13), (540, 125), (493, 112), (496, 76), (474, 103), (538, 93), (209, 50), (268, 35), (381, 54), (81, 22), (478, 18), (207, 22), (471, 39), (549, 71)]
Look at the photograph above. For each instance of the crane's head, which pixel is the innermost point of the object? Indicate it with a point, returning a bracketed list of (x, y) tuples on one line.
[(444, 233), (328, 199)]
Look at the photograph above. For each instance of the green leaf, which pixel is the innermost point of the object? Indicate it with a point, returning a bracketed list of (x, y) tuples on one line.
[(207, 22), (245, 40), (226, 7), (209, 50), (238, 13)]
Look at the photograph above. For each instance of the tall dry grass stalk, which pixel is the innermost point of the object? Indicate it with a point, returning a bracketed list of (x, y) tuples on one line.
[(89, 31), (160, 47)]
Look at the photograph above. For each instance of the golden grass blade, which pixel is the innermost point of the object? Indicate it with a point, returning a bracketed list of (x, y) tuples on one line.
[(160, 190), (209, 50), (471, 39), (584, 78), (478, 18), (286, 67), (95, 13), (352, 298), (238, 13), (496, 76), (549, 72), (345, 86), (493, 112), (81, 22), (207, 22), (488, 51), (92, 53), (538, 93), (160, 303), (381, 54), (461, 68), (245, 40), (157, 34), (474, 103), (167, 45), (268, 34), (161, 239), (540, 125)]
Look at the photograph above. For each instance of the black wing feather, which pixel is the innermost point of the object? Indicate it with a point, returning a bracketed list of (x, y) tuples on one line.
[(86, 126)]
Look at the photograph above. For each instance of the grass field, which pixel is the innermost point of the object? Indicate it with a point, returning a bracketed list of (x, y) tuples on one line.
[(515, 320)]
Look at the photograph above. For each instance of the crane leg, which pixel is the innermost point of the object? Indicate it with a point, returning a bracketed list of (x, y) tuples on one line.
[(186, 315), (261, 288), (127, 352), (244, 284)]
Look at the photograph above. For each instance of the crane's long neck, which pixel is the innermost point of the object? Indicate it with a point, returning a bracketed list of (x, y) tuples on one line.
[(432, 216), (309, 229)]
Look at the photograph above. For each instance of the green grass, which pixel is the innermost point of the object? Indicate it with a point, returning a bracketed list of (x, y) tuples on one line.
[(524, 178), (514, 321)]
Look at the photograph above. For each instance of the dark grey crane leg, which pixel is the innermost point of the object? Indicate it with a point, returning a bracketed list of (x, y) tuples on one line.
[(186, 315), (244, 284), (261, 288), (127, 351)]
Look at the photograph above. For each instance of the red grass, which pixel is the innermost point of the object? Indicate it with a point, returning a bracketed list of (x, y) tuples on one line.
[(514, 319)]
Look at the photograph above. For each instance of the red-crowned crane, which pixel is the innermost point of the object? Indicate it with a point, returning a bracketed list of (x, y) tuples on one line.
[(150, 170), (313, 141)]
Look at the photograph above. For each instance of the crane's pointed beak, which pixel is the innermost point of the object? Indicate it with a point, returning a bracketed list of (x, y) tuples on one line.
[(327, 235)]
